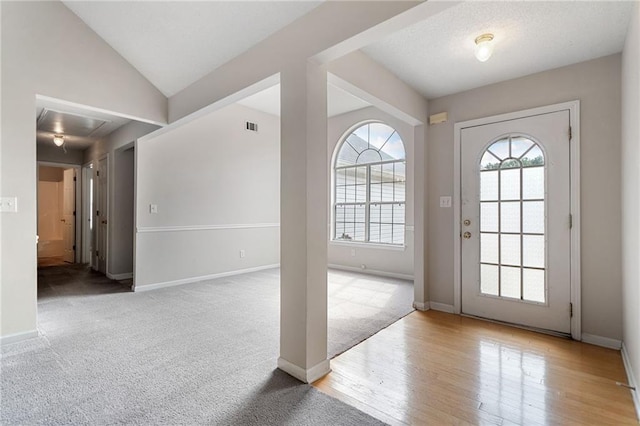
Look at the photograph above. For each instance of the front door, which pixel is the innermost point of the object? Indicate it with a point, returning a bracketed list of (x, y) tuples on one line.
[(515, 213)]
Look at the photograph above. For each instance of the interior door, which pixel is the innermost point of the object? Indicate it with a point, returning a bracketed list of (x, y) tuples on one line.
[(515, 230), (68, 214), (101, 215)]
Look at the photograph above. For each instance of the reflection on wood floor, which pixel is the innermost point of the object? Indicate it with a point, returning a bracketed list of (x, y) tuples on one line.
[(50, 261), (437, 368)]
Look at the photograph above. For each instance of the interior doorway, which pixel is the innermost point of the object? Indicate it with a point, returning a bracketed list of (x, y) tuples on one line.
[(87, 216), (57, 233)]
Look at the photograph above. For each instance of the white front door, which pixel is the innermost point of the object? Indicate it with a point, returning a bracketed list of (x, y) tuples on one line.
[(68, 215), (515, 214)]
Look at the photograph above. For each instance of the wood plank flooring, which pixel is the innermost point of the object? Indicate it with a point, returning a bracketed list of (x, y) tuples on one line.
[(437, 368)]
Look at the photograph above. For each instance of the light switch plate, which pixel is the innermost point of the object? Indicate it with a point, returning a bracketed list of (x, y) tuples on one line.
[(153, 208), (445, 202), (9, 204)]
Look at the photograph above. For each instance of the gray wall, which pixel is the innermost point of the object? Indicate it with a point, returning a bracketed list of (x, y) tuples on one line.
[(631, 194), (378, 259), (221, 182), (596, 84), (122, 230), (32, 51)]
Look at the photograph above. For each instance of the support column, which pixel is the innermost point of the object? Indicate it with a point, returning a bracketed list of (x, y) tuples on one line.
[(303, 222)]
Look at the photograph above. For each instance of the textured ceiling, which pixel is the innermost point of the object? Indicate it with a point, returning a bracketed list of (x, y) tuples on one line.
[(436, 56), (175, 43), (338, 101)]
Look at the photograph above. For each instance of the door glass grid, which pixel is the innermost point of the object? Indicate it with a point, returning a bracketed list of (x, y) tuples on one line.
[(512, 220)]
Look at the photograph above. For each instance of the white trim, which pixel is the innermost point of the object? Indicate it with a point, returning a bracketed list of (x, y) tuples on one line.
[(119, 277), (155, 286), (631, 379), (574, 121), (182, 228), (309, 375), (420, 306), (17, 337), (375, 246), (441, 307), (605, 342), (371, 272)]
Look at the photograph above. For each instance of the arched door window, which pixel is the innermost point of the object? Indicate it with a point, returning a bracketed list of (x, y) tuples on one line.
[(512, 220), (370, 183)]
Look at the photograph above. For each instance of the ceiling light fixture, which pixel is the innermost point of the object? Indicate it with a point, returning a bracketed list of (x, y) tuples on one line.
[(58, 139), (484, 47)]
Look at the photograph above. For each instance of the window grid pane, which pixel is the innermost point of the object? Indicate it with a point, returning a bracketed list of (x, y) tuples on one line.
[(512, 220), (369, 203)]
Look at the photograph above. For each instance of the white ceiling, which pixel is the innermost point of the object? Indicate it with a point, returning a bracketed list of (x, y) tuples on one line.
[(436, 56), (175, 43), (338, 101), (73, 118)]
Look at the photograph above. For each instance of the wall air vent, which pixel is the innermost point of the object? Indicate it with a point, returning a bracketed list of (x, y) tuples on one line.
[(253, 127)]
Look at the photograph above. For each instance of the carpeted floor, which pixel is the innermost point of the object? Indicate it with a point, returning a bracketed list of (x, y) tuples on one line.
[(201, 353)]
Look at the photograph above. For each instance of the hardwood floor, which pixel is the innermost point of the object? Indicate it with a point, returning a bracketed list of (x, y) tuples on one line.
[(437, 368)]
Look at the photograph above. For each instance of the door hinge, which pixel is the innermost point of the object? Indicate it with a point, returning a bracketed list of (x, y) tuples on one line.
[(97, 212), (570, 133), (570, 221), (97, 253), (74, 247), (74, 212), (571, 310), (75, 179), (98, 173)]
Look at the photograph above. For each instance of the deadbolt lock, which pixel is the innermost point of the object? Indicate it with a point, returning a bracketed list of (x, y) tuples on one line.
[(467, 222), (466, 235)]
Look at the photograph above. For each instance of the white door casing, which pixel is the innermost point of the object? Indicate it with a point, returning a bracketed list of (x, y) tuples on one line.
[(101, 214), (68, 216), (534, 252)]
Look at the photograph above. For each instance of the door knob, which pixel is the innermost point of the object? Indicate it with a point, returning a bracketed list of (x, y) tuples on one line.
[(466, 235), (104, 222), (467, 222)]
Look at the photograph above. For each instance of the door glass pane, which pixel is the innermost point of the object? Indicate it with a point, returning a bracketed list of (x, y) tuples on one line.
[(510, 282), (489, 186), (489, 279), (510, 184), (489, 248), (510, 250), (512, 220), (533, 285), (489, 217), (510, 217)]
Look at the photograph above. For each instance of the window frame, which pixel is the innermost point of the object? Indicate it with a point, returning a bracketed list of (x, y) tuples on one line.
[(367, 203)]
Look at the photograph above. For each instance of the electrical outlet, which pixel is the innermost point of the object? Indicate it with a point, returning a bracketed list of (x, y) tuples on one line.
[(9, 204), (445, 202), (241, 253)]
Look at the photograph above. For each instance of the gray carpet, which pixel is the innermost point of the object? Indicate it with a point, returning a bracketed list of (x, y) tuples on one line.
[(195, 354)]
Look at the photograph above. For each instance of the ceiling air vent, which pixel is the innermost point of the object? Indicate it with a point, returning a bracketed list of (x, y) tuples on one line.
[(253, 127)]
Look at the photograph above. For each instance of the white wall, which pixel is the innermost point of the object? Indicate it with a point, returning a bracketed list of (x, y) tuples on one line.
[(379, 259), (631, 195), (221, 181), (596, 84), (64, 61)]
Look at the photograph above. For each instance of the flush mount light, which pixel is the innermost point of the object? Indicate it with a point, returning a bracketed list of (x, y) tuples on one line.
[(58, 139), (484, 47)]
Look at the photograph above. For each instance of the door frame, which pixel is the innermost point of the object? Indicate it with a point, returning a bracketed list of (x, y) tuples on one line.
[(574, 163), (78, 202), (96, 195), (87, 209)]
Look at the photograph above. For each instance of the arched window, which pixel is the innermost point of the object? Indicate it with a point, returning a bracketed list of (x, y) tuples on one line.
[(370, 181), (512, 220)]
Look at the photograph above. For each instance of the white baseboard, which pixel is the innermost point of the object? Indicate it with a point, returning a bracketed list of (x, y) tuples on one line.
[(442, 307), (119, 277), (17, 337), (190, 280), (421, 306), (372, 272), (309, 375), (631, 379), (605, 342)]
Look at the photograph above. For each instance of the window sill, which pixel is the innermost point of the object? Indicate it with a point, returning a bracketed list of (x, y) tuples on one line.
[(374, 246)]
